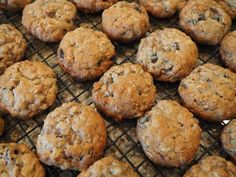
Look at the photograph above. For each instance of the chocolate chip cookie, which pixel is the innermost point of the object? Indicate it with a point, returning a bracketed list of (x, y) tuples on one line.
[(212, 166), (125, 22), (17, 160), (124, 92), (169, 54), (91, 6), (27, 88), (1, 126), (85, 53), (205, 21), (229, 6), (169, 134), (210, 92), (49, 20), (13, 5), (162, 9), (73, 137), (109, 166), (228, 50), (228, 139), (12, 46)]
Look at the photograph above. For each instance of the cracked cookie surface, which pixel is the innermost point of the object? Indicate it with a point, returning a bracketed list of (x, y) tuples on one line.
[(73, 137), (13, 5), (109, 167), (125, 22), (162, 9), (209, 91), (169, 54), (85, 53), (229, 6), (1, 126), (169, 134), (228, 50), (205, 21), (49, 20), (17, 160), (228, 139), (212, 166), (12, 46), (27, 88), (124, 92), (92, 6)]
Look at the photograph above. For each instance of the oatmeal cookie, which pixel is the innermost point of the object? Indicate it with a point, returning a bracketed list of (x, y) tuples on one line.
[(85, 53), (73, 137), (228, 50), (169, 134), (125, 22), (12, 46), (125, 91), (212, 166), (169, 54), (229, 6), (210, 92), (92, 6), (162, 9), (205, 21), (109, 167), (27, 88), (228, 139), (1, 126), (17, 160), (13, 5), (49, 20)]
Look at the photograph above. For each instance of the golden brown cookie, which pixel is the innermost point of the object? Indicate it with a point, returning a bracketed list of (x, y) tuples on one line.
[(125, 22), (85, 53), (13, 5), (205, 21), (125, 91), (168, 54), (212, 166), (228, 139), (228, 50), (109, 167), (209, 91), (27, 88), (73, 137), (17, 160), (169, 134), (49, 20)]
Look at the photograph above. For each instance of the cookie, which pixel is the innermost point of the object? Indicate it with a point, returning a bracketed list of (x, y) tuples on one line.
[(228, 139), (13, 5), (228, 50), (212, 166), (17, 160), (125, 22), (169, 134), (73, 137), (124, 92), (12, 46), (229, 6), (92, 6), (85, 53), (162, 9), (1, 126), (109, 166), (49, 20), (168, 54), (210, 92), (205, 21), (27, 88)]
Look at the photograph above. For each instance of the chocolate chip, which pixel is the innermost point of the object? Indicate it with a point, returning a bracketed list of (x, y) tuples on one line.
[(51, 14), (176, 46), (16, 151), (81, 158), (215, 15), (61, 53), (99, 62), (154, 57), (138, 9), (201, 17)]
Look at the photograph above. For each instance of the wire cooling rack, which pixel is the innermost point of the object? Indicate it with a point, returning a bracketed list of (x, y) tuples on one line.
[(122, 140)]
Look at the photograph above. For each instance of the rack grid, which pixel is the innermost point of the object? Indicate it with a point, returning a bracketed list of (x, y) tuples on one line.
[(122, 140)]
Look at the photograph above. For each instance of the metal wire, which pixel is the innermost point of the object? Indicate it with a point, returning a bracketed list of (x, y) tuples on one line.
[(122, 140)]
